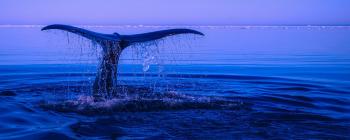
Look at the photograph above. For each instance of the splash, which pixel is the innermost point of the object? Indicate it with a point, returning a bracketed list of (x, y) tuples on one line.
[(140, 102)]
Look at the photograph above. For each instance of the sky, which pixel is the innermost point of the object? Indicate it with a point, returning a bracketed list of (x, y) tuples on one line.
[(176, 12)]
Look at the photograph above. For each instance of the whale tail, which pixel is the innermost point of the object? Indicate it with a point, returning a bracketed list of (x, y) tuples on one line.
[(124, 40), (113, 45)]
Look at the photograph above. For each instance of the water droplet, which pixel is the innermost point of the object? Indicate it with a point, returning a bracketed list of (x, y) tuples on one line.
[(147, 62)]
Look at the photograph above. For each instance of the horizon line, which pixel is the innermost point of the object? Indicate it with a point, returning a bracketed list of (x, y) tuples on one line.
[(163, 26)]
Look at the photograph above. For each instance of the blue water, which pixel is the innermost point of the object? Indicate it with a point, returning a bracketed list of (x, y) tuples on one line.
[(239, 83)]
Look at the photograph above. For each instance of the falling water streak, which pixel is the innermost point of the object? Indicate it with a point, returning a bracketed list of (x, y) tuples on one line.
[(82, 49), (146, 53)]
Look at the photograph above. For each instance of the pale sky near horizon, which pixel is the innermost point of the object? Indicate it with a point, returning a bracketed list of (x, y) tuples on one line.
[(179, 12)]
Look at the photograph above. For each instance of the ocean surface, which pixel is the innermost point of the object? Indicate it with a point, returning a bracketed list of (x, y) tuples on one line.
[(237, 82)]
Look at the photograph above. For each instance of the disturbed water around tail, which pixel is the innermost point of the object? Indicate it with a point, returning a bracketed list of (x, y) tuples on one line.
[(182, 101)]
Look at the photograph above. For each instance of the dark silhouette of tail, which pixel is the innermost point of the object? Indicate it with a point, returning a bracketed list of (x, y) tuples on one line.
[(115, 37), (113, 45)]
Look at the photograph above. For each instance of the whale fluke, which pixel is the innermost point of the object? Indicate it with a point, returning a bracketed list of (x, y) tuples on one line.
[(85, 33), (127, 39), (157, 35), (113, 45)]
